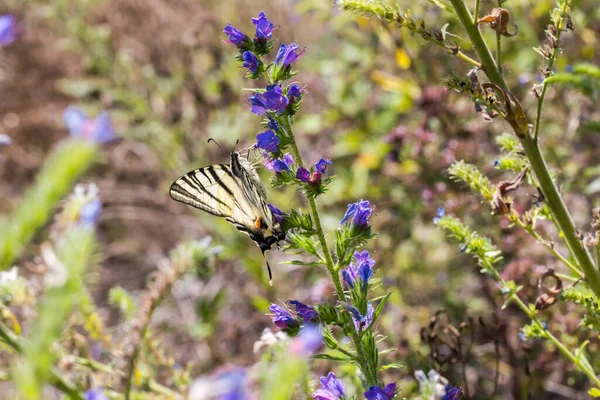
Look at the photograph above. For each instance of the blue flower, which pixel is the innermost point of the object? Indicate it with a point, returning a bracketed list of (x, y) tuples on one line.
[(388, 392), (98, 130), (94, 394), (287, 54), (282, 318), (274, 99), (267, 140), (273, 124), (305, 312), (277, 213), (264, 27), (453, 393), (358, 213), (496, 163), (331, 388), (89, 214), (230, 384), (322, 164), (441, 213), (350, 273), (362, 268), (289, 159), (236, 37), (271, 100), (280, 166), (293, 92), (308, 341), (8, 29), (250, 61), (303, 174), (361, 322)]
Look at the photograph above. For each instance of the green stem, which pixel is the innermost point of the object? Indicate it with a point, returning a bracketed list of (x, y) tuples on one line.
[(498, 44), (56, 378), (545, 84), (533, 316), (477, 5), (370, 374), (538, 164)]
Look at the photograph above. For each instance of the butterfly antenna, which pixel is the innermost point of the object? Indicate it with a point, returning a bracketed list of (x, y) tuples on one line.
[(236, 143), (213, 140)]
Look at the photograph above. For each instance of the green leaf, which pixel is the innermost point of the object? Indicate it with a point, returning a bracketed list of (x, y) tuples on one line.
[(390, 366), (331, 358), (594, 392), (443, 5)]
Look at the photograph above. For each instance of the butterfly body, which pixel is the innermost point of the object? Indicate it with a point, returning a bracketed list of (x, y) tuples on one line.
[(234, 192)]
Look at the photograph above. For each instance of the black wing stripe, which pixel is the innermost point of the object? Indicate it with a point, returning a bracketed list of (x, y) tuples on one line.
[(212, 172), (202, 170), (197, 182), (186, 194)]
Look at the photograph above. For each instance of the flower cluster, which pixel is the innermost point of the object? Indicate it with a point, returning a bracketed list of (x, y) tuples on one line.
[(284, 320), (98, 130)]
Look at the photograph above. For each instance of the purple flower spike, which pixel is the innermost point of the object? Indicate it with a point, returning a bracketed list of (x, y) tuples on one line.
[(236, 37), (350, 273), (94, 394), (305, 312), (322, 164), (332, 388), (388, 392), (303, 174), (250, 61), (267, 140), (453, 393), (358, 213), (264, 27), (287, 54), (282, 318), (99, 130), (8, 29)]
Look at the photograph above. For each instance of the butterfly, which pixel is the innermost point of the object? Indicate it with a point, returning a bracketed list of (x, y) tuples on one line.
[(236, 193)]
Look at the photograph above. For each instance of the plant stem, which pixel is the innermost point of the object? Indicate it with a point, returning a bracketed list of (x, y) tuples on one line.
[(545, 84), (477, 5), (533, 316), (370, 374), (56, 378), (498, 44), (538, 164)]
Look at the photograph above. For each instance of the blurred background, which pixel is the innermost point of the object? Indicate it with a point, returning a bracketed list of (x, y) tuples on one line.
[(374, 106)]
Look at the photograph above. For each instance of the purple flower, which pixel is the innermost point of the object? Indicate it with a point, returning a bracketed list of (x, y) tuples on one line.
[(358, 213), (267, 140), (89, 214), (275, 100), (97, 130), (440, 213), (264, 27), (94, 394), (303, 174), (453, 393), (8, 29), (271, 100), (280, 166), (287, 54), (331, 388), (250, 61), (294, 91), (308, 341), (362, 268), (289, 159), (273, 124), (388, 392), (229, 385), (305, 312), (236, 37), (361, 322), (277, 213), (282, 318), (322, 164)]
